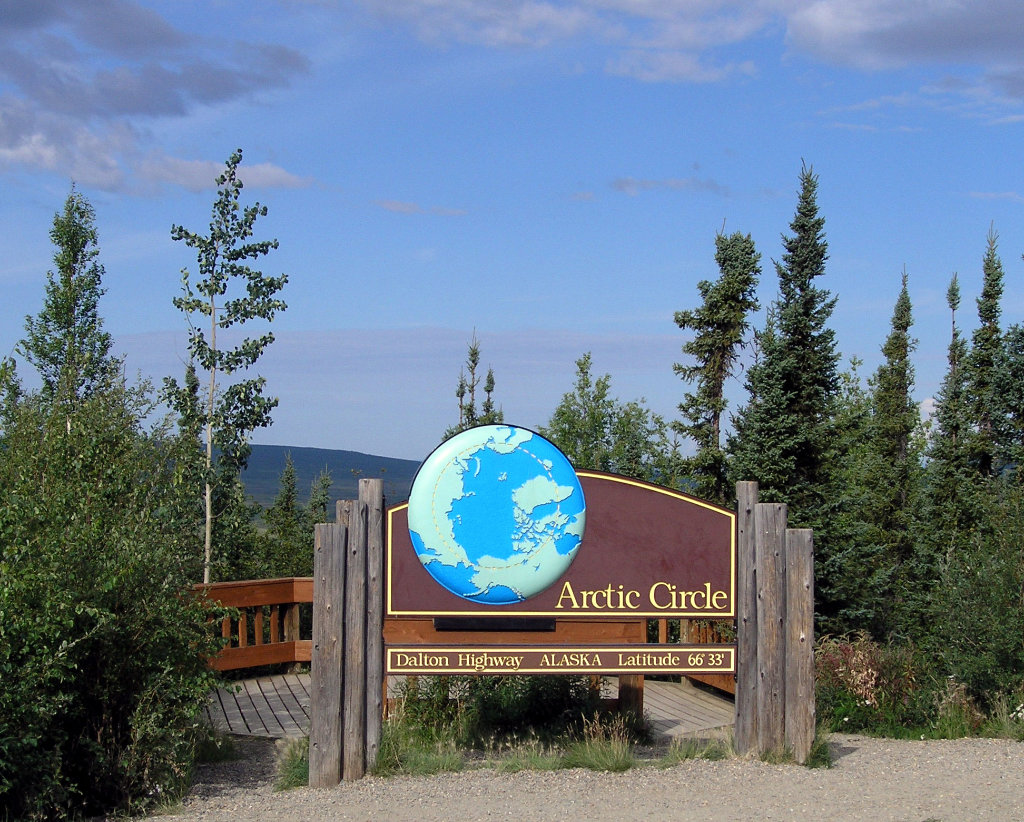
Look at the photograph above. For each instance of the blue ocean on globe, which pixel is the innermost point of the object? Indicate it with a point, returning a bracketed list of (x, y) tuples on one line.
[(496, 514)]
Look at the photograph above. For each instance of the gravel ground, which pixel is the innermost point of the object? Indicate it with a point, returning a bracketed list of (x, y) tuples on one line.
[(871, 779)]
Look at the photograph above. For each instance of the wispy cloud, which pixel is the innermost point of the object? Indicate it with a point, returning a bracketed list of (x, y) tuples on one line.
[(1013, 196), (675, 66), (632, 186), (401, 207)]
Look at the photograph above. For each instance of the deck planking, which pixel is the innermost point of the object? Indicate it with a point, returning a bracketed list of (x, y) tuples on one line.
[(278, 707)]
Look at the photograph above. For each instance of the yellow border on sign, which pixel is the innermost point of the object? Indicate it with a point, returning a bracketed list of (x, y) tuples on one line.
[(595, 614)]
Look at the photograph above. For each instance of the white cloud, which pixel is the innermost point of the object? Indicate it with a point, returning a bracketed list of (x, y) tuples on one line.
[(199, 175)]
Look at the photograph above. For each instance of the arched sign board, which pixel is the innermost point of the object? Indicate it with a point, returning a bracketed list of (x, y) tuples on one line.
[(620, 549)]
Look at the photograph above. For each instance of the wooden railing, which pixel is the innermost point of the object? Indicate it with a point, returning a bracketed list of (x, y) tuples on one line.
[(699, 632), (268, 626)]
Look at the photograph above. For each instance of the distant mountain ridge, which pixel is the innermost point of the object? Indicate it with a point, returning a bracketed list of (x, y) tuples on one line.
[(262, 478)]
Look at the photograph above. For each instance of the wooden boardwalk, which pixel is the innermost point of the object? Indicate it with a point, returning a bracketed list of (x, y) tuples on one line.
[(278, 707)]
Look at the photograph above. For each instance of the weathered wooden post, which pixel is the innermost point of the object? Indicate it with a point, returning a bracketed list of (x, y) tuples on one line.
[(745, 731), (354, 698), (775, 629), (374, 493), (325, 734), (770, 559), (800, 708)]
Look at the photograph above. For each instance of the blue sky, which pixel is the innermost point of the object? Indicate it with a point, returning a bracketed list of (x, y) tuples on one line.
[(551, 174)]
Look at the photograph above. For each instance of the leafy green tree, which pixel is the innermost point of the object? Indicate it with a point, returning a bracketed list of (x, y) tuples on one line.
[(229, 408), (598, 431), (719, 325), (103, 647), (979, 609), (66, 342), (465, 391)]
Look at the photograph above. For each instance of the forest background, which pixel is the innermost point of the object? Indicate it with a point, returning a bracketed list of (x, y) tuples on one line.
[(918, 523)]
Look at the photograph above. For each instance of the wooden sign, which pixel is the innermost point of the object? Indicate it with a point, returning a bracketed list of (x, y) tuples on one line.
[(647, 551)]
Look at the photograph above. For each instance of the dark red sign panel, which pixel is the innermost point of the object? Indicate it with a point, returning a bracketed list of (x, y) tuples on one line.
[(647, 551)]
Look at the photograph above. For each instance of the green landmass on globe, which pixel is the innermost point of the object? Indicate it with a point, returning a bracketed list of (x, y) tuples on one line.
[(496, 514)]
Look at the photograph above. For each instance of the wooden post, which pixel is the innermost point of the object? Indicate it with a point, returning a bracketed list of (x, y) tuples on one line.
[(631, 693), (354, 695), (745, 732), (770, 561), (291, 622), (325, 736), (800, 709), (375, 685)]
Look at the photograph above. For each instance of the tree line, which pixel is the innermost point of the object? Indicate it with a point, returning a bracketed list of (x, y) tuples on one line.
[(917, 522)]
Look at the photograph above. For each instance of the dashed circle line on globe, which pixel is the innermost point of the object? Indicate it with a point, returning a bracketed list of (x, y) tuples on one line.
[(437, 482)]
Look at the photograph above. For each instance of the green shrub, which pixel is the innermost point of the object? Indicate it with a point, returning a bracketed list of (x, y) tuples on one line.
[(865, 686), (483, 708), (102, 646)]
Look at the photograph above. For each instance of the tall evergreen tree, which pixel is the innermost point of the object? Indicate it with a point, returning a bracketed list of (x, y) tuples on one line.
[(765, 433), (952, 482), (719, 324), (875, 573), (896, 478), (981, 363), (797, 379), (1008, 396), (465, 392), (66, 342)]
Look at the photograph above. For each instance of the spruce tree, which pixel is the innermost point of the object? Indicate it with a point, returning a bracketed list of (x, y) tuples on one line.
[(765, 433), (719, 325), (465, 392), (794, 386), (66, 342), (896, 479), (880, 484), (952, 481), (981, 363), (1008, 396)]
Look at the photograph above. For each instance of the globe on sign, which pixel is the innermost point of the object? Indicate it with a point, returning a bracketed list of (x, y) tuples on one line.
[(496, 514)]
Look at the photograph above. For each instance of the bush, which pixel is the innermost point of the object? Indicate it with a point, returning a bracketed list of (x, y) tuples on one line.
[(482, 708), (102, 647), (863, 685)]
